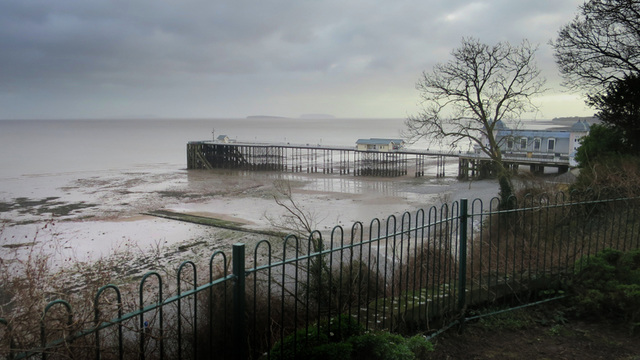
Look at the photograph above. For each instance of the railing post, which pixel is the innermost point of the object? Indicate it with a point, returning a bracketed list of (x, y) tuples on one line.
[(239, 339), (462, 256)]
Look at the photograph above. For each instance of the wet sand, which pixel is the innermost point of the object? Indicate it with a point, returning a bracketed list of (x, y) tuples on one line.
[(92, 215)]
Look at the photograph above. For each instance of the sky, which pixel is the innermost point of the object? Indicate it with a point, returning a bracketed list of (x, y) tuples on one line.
[(79, 59)]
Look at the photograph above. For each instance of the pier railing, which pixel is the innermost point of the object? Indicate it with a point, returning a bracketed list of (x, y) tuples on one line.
[(417, 271)]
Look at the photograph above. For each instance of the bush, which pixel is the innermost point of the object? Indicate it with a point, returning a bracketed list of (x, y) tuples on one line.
[(345, 339), (386, 346), (609, 177), (309, 342), (609, 285), (351, 284), (382, 346), (420, 346), (602, 141)]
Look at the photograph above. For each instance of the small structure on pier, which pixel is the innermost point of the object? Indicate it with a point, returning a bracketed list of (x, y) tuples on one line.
[(378, 144)]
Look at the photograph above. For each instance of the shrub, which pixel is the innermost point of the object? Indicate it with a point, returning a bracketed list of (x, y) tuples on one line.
[(609, 177), (344, 338), (350, 284), (309, 342), (383, 346), (420, 346), (334, 351), (387, 346), (609, 284)]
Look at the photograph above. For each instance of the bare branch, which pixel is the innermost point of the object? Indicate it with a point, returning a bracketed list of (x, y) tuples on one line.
[(296, 219), (465, 98), (468, 96), (601, 45)]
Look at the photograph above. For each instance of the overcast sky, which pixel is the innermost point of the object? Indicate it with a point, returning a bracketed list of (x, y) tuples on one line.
[(234, 58)]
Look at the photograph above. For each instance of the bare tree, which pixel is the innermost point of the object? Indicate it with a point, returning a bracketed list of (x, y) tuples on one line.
[(466, 98), (297, 219), (601, 45)]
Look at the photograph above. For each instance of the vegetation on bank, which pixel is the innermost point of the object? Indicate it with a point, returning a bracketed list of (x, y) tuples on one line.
[(344, 338), (608, 286)]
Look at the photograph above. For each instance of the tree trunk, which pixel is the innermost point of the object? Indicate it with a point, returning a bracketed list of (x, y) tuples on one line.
[(506, 187)]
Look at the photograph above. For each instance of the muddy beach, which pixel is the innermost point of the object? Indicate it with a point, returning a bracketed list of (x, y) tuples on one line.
[(93, 215)]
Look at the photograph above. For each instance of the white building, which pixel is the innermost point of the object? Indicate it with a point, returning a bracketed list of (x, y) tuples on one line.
[(223, 139), (555, 143), (379, 144)]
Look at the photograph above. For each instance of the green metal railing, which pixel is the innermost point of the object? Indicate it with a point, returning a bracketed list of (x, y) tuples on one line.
[(418, 271)]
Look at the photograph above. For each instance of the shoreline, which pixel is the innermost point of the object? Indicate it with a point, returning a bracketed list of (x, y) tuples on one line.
[(103, 211)]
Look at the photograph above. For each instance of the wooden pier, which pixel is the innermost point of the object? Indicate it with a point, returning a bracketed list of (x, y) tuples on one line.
[(474, 166), (312, 159), (350, 161)]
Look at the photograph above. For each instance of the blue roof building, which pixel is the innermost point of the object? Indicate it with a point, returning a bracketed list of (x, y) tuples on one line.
[(549, 143)]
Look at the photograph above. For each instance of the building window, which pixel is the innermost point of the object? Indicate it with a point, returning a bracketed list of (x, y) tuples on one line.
[(510, 143), (551, 146), (536, 144), (523, 143)]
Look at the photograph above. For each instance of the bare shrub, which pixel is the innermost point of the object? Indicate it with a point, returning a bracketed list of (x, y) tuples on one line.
[(609, 177), (37, 274), (429, 267), (297, 219), (543, 238)]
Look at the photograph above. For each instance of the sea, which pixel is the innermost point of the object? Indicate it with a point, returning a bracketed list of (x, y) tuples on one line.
[(41, 147)]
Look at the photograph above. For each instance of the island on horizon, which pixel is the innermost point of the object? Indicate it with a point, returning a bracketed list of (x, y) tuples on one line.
[(317, 116), (303, 116), (266, 117)]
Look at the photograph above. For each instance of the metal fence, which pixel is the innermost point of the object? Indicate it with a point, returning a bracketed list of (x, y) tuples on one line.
[(417, 272)]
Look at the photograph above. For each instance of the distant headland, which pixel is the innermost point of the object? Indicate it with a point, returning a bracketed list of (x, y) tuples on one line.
[(317, 116), (266, 117), (303, 116), (589, 119)]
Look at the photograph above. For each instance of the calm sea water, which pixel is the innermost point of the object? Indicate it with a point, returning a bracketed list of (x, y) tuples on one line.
[(33, 147)]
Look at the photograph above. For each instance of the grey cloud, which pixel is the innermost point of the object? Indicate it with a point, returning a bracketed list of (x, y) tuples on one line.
[(123, 49)]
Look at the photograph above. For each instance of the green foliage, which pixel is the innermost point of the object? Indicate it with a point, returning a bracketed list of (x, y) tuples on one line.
[(382, 346), (602, 141), (619, 108), (557, 330), (338, 351), (299, 343), (342, 327), (344, 338), (609, 285), (508, 320), (305, 343), (419, 345)]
